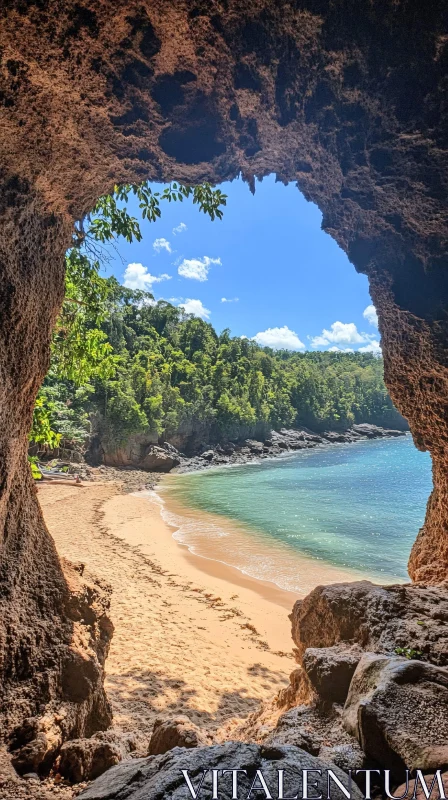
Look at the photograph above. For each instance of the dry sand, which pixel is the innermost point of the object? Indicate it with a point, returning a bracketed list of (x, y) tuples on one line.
[(191, 635)]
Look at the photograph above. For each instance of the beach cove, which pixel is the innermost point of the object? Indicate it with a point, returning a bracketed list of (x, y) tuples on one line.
[(192, 634)]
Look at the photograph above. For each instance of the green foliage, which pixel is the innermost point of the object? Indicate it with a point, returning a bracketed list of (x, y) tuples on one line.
[(80, 349), (408, 652), (175, 375), (35, 471), (42, 432)]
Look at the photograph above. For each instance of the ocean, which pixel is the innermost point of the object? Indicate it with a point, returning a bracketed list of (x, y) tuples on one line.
[(352, 510)]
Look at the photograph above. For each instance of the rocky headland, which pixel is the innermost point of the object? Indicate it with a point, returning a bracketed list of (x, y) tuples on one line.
[(138, 455), (280, 442)]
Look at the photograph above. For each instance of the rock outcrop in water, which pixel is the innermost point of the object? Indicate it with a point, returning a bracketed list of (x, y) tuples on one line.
[(280, 442), (347, 101)]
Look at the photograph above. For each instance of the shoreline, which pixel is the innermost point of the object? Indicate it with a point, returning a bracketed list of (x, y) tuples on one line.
[(280, 444), (208, 644), (209, 560)]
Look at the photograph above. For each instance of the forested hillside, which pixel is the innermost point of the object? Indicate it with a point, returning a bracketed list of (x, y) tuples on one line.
[(172, 375), (123, 364)]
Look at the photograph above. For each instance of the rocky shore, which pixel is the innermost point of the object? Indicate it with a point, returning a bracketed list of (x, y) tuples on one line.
[(279, 443), (137, 463)]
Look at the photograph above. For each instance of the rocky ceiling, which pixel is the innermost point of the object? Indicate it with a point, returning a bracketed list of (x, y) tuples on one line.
[(348, 99)]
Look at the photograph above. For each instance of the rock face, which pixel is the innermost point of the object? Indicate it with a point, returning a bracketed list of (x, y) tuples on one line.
[(175, 732), (348, 102), (87, 759), (397, 710), (378, 618), (138, 453), (72, 701), (297, 692), (330, 670), (161, 776)]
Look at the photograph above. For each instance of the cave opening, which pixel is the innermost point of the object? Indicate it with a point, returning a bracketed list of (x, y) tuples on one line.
[(268, 275), (311, 92)]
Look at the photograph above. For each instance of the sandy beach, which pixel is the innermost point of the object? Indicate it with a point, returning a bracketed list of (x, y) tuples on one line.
[(192, 635), (209, 643)]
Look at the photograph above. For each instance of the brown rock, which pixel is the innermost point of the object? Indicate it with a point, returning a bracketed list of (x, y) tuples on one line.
[(330, 670), (175, 732), (76, 704), (397, 710), (139, 452), (378, 618), (87, 759), (298, 691)]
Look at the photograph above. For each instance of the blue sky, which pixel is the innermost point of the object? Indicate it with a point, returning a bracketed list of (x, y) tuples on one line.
[(285, 281)]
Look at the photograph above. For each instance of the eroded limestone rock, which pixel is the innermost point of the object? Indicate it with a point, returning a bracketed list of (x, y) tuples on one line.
[(330, 670), (378, 618), (87, 759), (73, 703), (397, 709)]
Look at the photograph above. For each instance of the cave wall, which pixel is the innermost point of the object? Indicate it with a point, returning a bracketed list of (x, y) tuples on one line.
[(347, 99)]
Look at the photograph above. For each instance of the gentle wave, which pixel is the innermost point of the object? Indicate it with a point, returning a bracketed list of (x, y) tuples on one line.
[(228, 543), (340, 513)]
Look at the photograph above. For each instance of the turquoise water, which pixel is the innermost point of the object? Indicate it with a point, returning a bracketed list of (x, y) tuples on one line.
[(356, 506)]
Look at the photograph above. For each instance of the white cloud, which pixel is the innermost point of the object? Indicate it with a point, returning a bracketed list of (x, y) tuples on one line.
[(230, 299), (162, 244), (179, 228), (340, 333), (372, 347), (370, 315), (335, 349), (196, 308), (279, 339), (197, 268), (136, 276)]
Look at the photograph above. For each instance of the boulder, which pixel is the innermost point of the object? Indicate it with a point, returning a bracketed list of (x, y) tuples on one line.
[(159, 460), (175, 732), (161, 776), (292, 729), (345, 756), (330, 670), (87, 759), (141, 452), (415, 785), (335, 436), (397, 709), (378, 618), (254, 446), (37, 754)]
